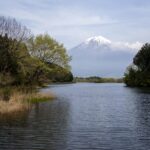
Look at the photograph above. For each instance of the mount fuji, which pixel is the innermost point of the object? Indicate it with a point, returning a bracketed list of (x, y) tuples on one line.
[(99, 56)]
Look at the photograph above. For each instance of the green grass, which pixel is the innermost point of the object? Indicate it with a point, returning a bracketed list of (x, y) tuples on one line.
[(14, 101), (40, 97)]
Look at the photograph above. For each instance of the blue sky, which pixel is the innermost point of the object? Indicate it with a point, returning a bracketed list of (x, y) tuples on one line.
[(73, 21)]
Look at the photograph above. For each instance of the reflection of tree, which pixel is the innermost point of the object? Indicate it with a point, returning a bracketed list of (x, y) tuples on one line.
[(46, 128), (50, 122), (142, 101), (17, 119), (13, 131)]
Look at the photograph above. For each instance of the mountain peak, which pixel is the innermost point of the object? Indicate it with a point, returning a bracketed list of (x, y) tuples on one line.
[(98, 40)]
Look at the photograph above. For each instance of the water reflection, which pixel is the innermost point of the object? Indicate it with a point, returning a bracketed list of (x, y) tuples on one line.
[(84, 116), (142, 103), (19, 119)]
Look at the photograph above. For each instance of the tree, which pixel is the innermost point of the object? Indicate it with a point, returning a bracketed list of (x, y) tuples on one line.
[(28, 60), (17, 65), (12, 60), (59, 74), (13, 38), (13, 50), (139, 73), (14, 29), (142, 58), (49, 51)]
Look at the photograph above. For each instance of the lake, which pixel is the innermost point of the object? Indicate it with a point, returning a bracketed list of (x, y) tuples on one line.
[(84, 116)]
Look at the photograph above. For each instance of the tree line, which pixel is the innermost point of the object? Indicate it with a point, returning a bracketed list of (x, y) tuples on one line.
[(96, 79), (26, 59)]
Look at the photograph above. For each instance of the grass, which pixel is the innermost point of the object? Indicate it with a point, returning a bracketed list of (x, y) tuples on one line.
[(16, 104), (16, 101), (39, 97)]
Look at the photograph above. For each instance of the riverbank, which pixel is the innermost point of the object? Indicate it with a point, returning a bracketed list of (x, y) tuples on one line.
[(17, 100)]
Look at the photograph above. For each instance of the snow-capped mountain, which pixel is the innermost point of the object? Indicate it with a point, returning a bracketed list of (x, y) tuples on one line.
[(99, 56)]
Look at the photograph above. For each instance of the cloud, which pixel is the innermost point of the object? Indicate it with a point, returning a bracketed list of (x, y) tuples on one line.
[(99, 41), (66, 24), (126, 46), (102, 57), (72, 21)]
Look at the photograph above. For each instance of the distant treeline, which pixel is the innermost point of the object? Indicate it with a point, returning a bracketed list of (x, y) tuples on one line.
[(95, 79), (26, 59)]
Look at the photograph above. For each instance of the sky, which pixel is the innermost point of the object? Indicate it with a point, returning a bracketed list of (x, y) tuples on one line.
[(72, 21)]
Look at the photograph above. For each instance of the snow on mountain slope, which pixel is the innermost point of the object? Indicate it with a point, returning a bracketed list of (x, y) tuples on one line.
[(101, 57), (98, 40)]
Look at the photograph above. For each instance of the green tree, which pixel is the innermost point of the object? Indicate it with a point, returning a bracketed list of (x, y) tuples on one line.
[(142, 58), (28, 60), (13, 50), (16, 64), (13, 59), (49, 51), (139, 73)]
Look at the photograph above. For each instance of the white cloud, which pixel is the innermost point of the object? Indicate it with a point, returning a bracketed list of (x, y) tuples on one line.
[(113, 45), (101, 56), (126, 46), (71, 22)]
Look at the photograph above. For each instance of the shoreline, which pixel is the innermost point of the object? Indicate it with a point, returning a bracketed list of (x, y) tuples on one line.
[(15, 102)]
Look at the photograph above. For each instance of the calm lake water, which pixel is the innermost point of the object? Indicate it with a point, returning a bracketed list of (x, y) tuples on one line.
[(84, 116)]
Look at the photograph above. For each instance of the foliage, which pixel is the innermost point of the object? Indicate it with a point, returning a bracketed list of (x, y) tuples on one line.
[(12, 57), (142, 58), (28, 60), (49, 51), (138, 74), (58, 74)]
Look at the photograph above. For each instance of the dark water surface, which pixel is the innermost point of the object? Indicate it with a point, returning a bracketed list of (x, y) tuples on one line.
[(84, 116)]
